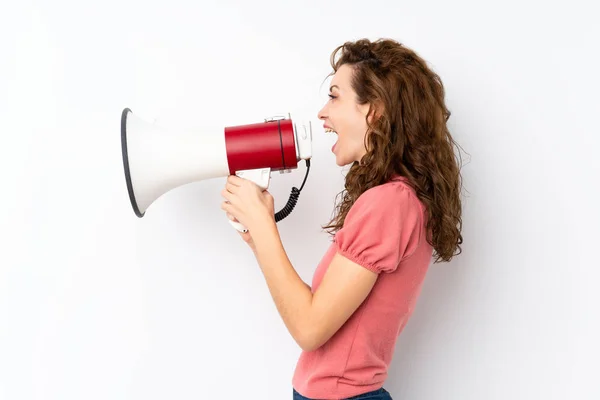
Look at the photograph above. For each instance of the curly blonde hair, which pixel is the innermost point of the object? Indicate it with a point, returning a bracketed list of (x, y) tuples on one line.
[(408, 137)]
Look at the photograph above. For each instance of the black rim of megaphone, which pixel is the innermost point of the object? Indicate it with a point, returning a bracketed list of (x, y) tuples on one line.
[(126, 111)]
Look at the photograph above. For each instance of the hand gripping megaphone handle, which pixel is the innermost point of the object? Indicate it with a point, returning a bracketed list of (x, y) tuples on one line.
[(261, 177)]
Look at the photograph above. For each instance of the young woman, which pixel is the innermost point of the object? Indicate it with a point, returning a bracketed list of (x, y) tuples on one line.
[(401, 206)]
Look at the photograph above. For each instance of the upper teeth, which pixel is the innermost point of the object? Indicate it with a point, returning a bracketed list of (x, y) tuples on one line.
[(329, 130)]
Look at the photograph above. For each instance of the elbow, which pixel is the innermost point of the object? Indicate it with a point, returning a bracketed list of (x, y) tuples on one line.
[(310, 340), (308, 345)]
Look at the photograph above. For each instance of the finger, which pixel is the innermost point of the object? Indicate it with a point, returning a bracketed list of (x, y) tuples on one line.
[(235, 180), (231, 188), (231, 217), (227, 195), (229, 208), (245, 236)]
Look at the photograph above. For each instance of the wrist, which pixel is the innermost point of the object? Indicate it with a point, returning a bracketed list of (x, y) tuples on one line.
[(265, 235)]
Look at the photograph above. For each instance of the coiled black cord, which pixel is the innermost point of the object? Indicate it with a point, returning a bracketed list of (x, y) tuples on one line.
[(293, 199)]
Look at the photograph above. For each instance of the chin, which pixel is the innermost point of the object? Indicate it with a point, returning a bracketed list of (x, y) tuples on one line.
[(343, 159), (341, 162)]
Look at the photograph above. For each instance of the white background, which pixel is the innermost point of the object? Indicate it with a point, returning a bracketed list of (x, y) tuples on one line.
[(98, 304)]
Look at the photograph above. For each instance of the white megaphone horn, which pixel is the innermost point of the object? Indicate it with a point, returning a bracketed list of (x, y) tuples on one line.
[(157, 160)]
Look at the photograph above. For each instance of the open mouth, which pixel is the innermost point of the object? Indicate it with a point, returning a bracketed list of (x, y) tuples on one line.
[(329, 130)]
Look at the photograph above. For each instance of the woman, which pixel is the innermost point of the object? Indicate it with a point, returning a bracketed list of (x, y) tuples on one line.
[(401, 206)]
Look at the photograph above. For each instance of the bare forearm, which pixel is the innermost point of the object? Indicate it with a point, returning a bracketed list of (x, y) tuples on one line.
[(292, 296)]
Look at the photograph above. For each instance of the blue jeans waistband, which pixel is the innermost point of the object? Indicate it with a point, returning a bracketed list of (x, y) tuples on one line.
[(378, 394)]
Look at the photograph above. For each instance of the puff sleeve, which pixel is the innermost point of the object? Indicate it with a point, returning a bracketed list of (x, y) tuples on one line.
[(382, 228)]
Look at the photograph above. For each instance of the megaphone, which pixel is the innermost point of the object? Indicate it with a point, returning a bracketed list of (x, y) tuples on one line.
[(157, 160)]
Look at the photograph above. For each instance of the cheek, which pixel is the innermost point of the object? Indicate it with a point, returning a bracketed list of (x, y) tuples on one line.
[(354, 134)]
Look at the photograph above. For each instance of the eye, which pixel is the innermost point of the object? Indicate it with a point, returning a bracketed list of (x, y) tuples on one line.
[(332, 96)]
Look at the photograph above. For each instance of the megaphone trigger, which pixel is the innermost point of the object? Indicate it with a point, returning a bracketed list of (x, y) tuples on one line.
[(260, 176)]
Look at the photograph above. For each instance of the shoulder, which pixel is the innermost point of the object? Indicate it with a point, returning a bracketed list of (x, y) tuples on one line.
[(395, 194), (382, 227)]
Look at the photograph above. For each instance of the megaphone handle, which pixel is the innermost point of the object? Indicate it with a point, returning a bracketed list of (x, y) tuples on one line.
[(239, 227), (261, 177)]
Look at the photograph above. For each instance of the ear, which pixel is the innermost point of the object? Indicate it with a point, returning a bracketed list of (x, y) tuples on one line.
[(368, 111), (376, 112)]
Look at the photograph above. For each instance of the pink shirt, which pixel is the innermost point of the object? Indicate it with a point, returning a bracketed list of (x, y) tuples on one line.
[(385, 233)]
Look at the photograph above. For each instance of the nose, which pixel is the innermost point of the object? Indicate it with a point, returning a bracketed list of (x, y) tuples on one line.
[(321, 114)]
